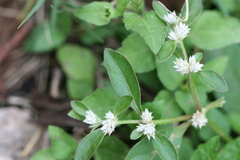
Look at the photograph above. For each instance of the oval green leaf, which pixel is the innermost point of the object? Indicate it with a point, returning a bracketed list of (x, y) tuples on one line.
[(79, 107), (210, 35), (88, 145), (198, 56), (164, 147), (150, 27), (123, 77), (195, 9), (207, 150), (159, 9), (98, 13), (143, 150), (122, 104), (75, 115), (213, 80), (135, 135), (134, 46), (166, 50), (59, 140)]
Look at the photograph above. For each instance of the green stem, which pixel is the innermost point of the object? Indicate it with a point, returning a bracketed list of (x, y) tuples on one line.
[(159, 121), (183, 50), (128, 121), (219, 131), (172, 120), (215, 104), (194, 91)]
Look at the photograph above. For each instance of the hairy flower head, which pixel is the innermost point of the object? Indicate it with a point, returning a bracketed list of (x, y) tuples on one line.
[(180, 31), (92, 119), (184, 67), (109, 124), (171, 18), (199, 119), (147, 126)]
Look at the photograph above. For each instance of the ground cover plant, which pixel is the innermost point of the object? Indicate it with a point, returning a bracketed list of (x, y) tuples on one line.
[(169, 84)]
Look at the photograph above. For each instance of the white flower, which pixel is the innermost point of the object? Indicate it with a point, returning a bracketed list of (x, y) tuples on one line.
[(171, 18), (193, 65), (147, 126), (180, 31), (199, 119), (147, 129), (110, 123), (184, 67), (92, 119), (146, 116)]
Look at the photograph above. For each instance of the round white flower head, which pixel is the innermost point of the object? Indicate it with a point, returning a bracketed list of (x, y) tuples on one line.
[(184, 67), (92, 119), (147, 126), (193, 65), (199, 119), (110, 123), (171, 18), (147, 129), (146, 116), (180, 31)]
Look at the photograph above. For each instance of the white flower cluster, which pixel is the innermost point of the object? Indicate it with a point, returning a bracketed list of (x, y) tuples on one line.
[(147, 126), (92, 119), (199, 119), (171, 18), (184, 67), (180, 30), (110, 123)]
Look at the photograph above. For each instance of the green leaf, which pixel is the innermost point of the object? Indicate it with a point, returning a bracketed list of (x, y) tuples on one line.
[(207, 150), (230, 151), (195, 9), (111, 148), (169, 107), (154, 107), (166, 50), (186, 147), (123, 77), (33, 10), (79, 107), (73, 114), (164, 147), (159, 9), (134, 46), (122, 104), (54, 13), (150, 27), (135, 134), (168, 75), (98, 13), (198, 56), (175, 134), (137, 6), (79, 89), (88, 145), (218, 64), (77, 62), (121, 6), (208, 34), (232, 76), (43, 154), (143, 150), (101, 101), (59, 140), (43, 38), (233, 118), (216, 119), (185, 99), (94, 35), (213, 80)]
